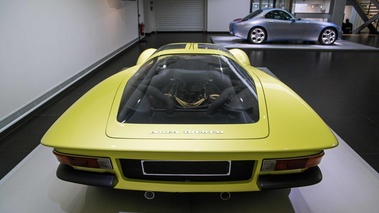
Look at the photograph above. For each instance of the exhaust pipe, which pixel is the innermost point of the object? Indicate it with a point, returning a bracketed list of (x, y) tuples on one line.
[(149, 195), (225, 195)]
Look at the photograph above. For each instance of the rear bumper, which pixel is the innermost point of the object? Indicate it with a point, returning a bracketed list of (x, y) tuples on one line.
[(67, 173), (309, 177)]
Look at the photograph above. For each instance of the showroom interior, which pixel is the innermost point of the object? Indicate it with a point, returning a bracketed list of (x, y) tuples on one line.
[(53, 52)]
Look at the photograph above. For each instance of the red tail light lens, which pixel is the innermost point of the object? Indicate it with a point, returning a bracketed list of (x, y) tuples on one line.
[(291, 163), (237, 20), (83, 161)]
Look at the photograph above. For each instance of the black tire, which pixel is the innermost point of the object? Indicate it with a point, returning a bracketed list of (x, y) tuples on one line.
[(328, 36), (257, 35)]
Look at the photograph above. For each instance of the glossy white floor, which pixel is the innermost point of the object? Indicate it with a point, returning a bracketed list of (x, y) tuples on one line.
[(349, 185)]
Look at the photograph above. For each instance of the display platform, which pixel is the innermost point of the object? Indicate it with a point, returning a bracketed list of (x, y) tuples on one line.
[(235, 42), (349, 185)]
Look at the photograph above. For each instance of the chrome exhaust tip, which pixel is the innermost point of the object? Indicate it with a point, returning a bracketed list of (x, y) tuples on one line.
[(225, 195), (149, 195)]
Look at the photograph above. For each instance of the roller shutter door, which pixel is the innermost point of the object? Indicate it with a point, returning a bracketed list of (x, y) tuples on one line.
[(179, 15)]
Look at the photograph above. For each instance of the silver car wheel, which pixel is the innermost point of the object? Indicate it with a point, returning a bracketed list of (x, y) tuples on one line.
[(257, 35), (328, 36)]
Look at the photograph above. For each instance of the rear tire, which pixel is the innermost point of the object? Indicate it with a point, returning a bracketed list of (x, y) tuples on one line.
[(328, 36), (257, 35)]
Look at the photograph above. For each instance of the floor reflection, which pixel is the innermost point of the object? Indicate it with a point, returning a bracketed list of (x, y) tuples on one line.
[(228, 41), (110, 200)]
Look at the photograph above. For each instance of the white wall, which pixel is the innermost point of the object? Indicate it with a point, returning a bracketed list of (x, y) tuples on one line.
[(43, 43), (221, 12), (149, 12)]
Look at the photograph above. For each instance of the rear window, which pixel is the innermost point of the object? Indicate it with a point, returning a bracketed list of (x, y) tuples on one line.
[(171, 47), (213, 47), (189, 89), (252, 15)]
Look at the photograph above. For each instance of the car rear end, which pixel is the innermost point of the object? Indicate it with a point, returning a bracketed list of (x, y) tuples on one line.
[(197, 121), (189, 171), (240, 27)]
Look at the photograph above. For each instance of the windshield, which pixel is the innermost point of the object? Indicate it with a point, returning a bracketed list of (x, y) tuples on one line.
[(189, 89)]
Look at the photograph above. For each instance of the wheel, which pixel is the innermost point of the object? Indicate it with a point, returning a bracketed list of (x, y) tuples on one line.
[(257, 35), (328, 36)]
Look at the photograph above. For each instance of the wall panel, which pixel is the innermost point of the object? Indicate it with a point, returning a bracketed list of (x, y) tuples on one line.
[(45, 44)]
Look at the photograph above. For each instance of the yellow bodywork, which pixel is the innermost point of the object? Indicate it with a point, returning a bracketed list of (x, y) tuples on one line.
[(287, 128)]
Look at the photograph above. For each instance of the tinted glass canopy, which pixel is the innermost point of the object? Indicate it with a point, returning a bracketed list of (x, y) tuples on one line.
[(189, 89)]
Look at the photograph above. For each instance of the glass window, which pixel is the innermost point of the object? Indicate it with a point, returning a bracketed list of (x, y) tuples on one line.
[(261, 4), (277, 14), (316, 6), (252, 15), (172, 46), (189, 89), (213, 47), (298, 6)]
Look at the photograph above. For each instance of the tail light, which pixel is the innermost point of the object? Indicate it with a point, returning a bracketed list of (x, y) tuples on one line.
[(291, 163), (237, 20), (84, 161)]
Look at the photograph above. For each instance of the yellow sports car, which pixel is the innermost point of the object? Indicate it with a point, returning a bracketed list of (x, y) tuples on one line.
[(190, 117)]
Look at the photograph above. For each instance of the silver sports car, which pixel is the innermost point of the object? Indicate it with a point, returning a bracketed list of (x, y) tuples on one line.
[(273, 24)]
